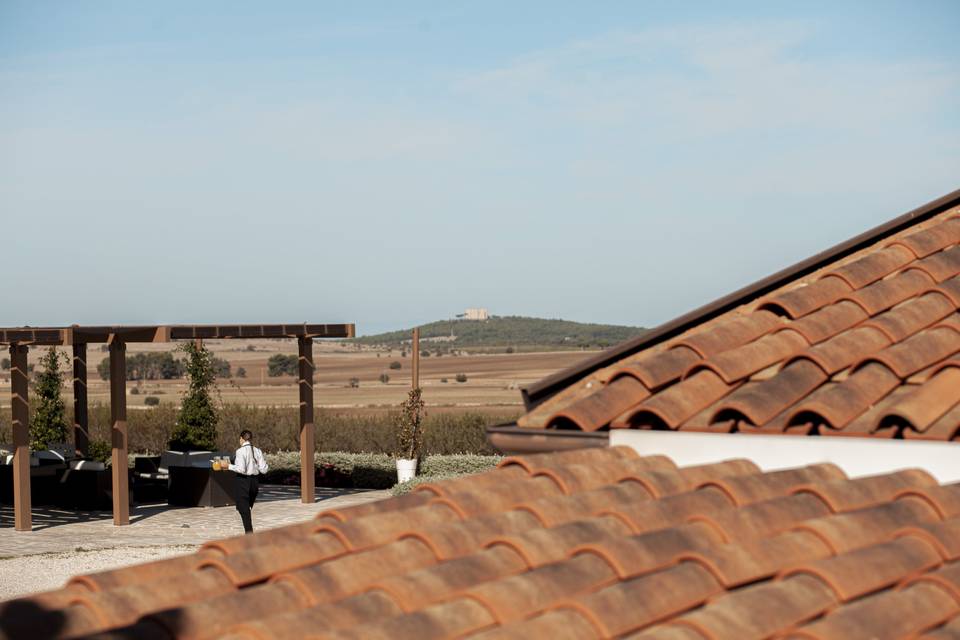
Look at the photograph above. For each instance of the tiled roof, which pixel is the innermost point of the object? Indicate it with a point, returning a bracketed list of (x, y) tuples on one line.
[(867, 346), (590, 543)]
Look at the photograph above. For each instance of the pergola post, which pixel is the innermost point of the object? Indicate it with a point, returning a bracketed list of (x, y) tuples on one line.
[(416, 358), (307, 431), (118, 432), (22, 518), (81, 434)]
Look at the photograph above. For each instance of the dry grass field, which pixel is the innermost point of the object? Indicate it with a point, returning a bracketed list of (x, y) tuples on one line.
[(493, 380)]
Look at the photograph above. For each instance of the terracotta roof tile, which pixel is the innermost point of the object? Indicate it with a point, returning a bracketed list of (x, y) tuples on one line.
[(798, 302), (325, 617), (921, 408), (942, 265), (928, 241), (678, 403), (197, 618), (630, 605), (719, 551), (949, 288), (918, 351), (892, 303), (758, 404), (873, 568), (781, 605), (598, 409), (848, 531), (657, 369), (632, 556), (887, 293), (743, 490), (890, 614), (733, 333), (873, 266), (535, 461), (913, 315), (746, 562), (847, 495), (829, 321), (740, 362)]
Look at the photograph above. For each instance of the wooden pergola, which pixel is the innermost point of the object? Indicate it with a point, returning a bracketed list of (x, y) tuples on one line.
[(21, 339)]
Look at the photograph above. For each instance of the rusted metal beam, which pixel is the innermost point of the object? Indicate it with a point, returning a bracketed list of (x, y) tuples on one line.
[(19, 387), (305, 369), (34, 336), (227, 332), (81, 432), (165, 333), (416, 358), (110, 334), (118, 432)]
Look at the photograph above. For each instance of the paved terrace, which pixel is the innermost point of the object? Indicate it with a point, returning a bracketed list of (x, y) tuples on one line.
[(61, 530)]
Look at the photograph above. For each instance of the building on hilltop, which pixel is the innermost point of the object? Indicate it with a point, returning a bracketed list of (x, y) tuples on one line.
[(474, 313)]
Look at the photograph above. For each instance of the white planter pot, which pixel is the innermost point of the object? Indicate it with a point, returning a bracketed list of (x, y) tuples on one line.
[(406, 469)]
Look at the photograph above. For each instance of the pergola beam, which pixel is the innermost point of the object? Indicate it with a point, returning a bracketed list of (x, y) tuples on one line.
[(229, 332), (165, 333), (19, 388)]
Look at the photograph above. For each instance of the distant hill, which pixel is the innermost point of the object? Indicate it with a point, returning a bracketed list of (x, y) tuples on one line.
[(508, 331)]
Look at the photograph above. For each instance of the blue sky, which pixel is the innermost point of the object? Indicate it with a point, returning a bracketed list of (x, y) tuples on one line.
[(391, 164)]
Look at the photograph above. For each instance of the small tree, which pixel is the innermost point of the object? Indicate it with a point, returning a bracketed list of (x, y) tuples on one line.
[(396, 365), (241, 372), (384, 378), (49, 423), (410, 435), (461, 377), (282, 365), (5, 364), (196, 428), (354, 383)]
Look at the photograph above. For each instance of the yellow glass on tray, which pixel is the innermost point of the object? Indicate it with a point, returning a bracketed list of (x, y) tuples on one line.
[(216, 464)]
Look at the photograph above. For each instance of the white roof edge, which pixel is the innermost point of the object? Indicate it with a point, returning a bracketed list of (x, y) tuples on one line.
[(856, 456)]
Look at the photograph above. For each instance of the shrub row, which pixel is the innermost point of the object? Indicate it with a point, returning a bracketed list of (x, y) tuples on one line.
[(277, 429), (368, 470), (406, 487)]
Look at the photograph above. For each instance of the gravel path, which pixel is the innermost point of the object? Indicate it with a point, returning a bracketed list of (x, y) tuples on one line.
[(68, 543), (44, 571)]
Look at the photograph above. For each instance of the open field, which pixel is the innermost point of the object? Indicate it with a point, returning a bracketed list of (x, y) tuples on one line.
[(493, 380)]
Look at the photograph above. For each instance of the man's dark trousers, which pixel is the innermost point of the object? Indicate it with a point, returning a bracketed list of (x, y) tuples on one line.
[(247, 487)]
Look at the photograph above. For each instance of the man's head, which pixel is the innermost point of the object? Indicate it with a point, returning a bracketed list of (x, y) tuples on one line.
[(246, 435)]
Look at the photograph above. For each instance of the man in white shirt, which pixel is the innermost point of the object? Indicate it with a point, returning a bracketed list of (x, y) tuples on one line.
[(248, 463)]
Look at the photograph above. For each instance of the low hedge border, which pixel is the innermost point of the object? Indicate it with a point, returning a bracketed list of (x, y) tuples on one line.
[(369, 470), (406, 487)]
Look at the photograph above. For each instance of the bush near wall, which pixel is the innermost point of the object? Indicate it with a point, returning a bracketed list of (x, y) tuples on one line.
[(368, 470)]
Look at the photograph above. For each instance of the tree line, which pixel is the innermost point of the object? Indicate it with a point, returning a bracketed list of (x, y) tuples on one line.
[(159, 366)]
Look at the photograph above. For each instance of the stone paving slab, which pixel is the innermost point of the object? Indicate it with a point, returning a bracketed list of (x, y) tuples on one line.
[(59, 530)]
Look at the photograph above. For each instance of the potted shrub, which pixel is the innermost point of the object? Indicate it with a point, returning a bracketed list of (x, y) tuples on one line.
[(410, 436)]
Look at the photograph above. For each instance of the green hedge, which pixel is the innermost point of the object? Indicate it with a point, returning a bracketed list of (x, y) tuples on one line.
[(277, 429), (406, 487), (368, 470)]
